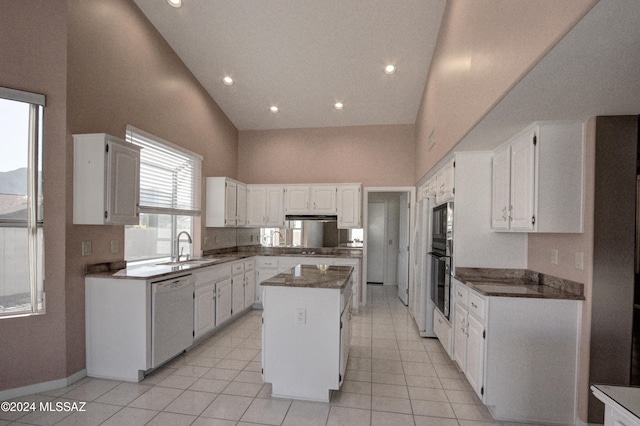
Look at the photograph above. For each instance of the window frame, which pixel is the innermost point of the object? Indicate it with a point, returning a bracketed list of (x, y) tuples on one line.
[(134, 134), (35, 206)]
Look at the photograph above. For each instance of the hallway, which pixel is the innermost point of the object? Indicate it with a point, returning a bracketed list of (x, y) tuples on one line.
[(394, 377)]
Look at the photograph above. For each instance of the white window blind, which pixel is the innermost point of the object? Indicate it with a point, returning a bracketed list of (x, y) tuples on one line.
[(170, 176)]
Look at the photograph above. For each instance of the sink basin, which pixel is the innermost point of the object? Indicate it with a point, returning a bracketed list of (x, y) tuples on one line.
[(188, 262)]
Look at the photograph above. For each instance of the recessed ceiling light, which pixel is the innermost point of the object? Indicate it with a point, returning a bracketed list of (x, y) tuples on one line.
[(175, 3), (389, 69), (228, 81), (338, 105), (274, 109)]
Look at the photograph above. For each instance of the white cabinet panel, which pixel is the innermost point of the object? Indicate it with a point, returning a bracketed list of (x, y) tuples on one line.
[(249, 288), (296, 199), (445, 183), (265, 205), (323, 199), (223, 300), (522, 182), (204, 319), (501, 189), (544, 177), (475, 354), (348, 206), (106, 180), (226, 202)]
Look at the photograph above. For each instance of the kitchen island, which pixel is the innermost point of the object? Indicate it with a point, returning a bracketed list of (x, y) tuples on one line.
[(622, 404), (306, 330)]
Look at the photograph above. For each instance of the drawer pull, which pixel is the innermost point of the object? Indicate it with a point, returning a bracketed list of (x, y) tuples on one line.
[(474, 305)]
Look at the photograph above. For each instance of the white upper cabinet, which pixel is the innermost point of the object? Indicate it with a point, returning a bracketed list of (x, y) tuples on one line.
[(445, 183), (430, 188), (241, 204), (106, 180), (501, 187), (348, 206), (323, 199), (296, 199), (226, 202), (265, 205), (538, 180), (314, 199)]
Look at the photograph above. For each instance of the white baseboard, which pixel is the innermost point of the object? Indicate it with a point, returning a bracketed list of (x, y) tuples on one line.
[(8, 394)]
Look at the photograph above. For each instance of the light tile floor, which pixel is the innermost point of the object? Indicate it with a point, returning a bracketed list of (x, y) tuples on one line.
[(394, 377)]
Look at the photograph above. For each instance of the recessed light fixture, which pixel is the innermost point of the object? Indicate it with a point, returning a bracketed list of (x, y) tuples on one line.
[(175, 3), (389, 69), (338, 105), (228, 81), (274, 109)]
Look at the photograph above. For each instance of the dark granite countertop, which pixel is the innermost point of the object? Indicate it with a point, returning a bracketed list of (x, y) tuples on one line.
[(312, 276), (213, 257), (519, 283)]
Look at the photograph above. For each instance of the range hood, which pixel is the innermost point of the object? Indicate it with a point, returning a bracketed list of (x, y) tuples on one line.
[(317, 217)]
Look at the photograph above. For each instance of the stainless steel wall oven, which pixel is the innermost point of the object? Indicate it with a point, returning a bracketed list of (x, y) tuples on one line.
[(441, 256)]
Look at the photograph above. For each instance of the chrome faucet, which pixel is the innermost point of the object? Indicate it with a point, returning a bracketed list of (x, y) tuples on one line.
[(273, 234), (176, 251)]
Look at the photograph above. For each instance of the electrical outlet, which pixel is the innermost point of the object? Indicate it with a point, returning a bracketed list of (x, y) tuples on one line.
[(554, 256), (115, 246), (579, 260), (86, 248), (301, 316)]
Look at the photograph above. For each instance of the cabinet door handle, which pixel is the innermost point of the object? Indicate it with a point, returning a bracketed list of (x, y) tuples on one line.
[(504, 213)]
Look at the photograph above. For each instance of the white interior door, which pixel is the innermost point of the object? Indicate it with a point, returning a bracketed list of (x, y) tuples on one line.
[(375, 243), (403, 250)]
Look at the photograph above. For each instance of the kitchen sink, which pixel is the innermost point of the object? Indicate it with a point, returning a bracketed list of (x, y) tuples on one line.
[(188, 262)]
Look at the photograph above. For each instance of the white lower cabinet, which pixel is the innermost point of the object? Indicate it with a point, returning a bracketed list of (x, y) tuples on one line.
[(305, 359), (204, 314), (223, 300), (237, 284), (249, 288), (468, 336), (518, 354), (442, 330)]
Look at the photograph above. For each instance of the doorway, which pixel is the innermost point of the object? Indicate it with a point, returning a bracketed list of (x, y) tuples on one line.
[(387, 217)]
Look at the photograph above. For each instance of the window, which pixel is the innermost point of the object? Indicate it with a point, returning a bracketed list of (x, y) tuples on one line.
[(21, 204), (170, 180)]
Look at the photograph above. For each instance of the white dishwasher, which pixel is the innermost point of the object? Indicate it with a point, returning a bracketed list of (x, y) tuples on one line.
[(171, 318)]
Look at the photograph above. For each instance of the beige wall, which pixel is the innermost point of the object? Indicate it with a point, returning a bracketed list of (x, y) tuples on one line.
[(102, 66), (121, 71), (33, 52), (372, 155), (484, 48)]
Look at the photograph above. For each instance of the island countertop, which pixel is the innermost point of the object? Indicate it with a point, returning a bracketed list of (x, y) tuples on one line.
[(312, 276)]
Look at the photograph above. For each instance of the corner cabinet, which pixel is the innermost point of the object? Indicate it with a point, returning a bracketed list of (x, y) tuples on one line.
[(538, 180), (265, 205), (226, 202), (106, 180), (349, 206)]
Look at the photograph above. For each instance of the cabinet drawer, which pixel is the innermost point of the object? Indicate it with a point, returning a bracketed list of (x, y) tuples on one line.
[(213, 273), (249, 264), (267, 262), (237, 268), (461, 294), (476, 305)]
